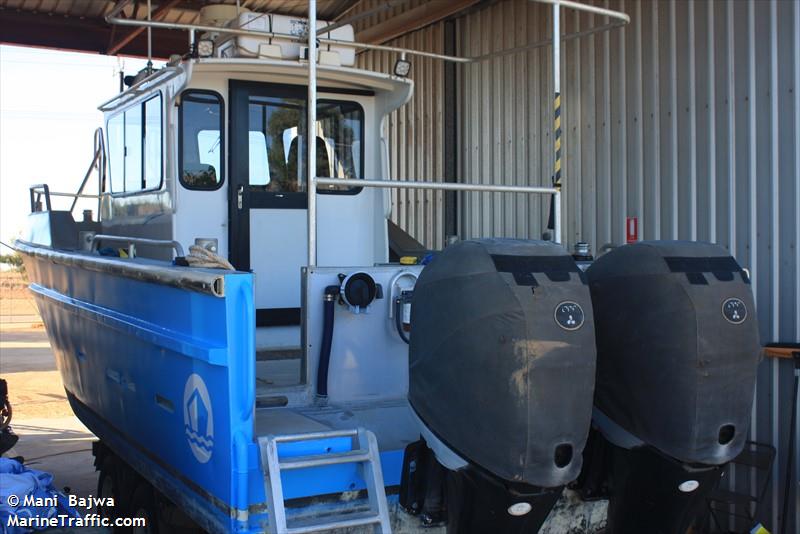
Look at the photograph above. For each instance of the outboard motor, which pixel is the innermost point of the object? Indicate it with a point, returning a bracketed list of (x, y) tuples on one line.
[(502, 365), (677, 351)]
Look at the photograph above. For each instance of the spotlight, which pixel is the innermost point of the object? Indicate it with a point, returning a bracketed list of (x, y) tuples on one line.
[(205, 48), (402, 67)]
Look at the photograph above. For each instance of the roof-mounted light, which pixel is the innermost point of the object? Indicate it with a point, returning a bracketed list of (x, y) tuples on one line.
[(402, 66), (205, 48)]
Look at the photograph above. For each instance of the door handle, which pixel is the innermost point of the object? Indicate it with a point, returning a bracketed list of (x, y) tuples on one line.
[(239, 195)]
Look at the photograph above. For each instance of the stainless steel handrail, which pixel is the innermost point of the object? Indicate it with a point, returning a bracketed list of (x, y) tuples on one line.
[(112, 18), (445, 186), (578, 6), (45, 190), (276, 35), (36, 196), (137, 241), (311, 150), (162, 75), (77, 195), (99, 163)]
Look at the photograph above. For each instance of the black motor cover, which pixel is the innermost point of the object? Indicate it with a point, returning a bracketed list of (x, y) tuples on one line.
[(677, 347), (502, 357)]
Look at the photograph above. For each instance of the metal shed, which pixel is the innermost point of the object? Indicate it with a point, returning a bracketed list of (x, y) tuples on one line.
[(688, 119)]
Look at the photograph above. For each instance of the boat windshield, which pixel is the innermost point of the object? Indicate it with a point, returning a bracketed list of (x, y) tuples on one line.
[(276, 132)]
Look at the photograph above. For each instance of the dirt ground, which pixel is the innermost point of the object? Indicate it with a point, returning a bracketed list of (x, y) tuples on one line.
[(51, 438), (16, 304)]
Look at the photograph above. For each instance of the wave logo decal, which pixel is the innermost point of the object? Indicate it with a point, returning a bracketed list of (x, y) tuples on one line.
[(198, 418)]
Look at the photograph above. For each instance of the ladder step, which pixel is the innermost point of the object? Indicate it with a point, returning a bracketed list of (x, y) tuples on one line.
[(343, 521), (316, 460), (365, 453)]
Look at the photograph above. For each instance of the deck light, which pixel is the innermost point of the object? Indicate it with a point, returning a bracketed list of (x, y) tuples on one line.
[(205, 48), (402, 66)]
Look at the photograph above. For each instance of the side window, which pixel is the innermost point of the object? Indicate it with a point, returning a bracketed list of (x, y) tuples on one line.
[(201, 140), (115, 130), (134, 147), (152, 143)]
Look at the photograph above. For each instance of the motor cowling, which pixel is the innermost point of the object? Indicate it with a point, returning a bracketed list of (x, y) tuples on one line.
[(502, 358), (677, 351), (678, 346)]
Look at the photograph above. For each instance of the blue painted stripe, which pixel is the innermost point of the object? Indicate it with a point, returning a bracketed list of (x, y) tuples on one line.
[(162, 337)]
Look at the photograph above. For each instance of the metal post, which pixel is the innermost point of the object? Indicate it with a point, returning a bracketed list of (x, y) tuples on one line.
[(149, 40), (557, 216), (557, 120), (311, 134)]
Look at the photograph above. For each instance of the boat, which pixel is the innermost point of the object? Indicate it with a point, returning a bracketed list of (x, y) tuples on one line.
[(252, 340)]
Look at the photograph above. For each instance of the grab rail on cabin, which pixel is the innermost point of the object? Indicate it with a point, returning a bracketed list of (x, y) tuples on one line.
[(138, 241), (36, 192)]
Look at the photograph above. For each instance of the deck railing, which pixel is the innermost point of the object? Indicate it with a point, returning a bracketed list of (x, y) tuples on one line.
[(440, 186), (98, 164)]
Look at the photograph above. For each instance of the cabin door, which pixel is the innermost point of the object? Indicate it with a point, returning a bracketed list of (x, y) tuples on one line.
[(267, 194)]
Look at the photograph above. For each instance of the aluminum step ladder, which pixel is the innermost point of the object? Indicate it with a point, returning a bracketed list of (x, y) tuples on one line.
[(364, 453)]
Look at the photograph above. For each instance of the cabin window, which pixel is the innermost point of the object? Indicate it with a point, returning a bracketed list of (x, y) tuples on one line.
[(115, 129), (133, 149), (201, 140), (340, 130), (273, 157), (135, 140), (152, 143), (277, 127)]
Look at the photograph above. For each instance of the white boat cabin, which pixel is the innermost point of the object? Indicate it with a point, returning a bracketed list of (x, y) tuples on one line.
[(213, 151)]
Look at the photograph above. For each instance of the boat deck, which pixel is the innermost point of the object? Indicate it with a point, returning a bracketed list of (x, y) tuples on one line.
[(391, 421)]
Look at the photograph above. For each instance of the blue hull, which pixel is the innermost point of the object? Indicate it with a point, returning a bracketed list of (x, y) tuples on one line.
[(164, 374)]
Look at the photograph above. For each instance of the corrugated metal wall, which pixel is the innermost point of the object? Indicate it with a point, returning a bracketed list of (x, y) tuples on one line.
[(689, 119)]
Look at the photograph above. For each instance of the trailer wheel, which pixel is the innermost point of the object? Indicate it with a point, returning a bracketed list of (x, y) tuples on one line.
[(143, 505), (108, 486)]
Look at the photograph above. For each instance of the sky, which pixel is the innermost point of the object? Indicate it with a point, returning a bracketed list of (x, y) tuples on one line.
[(48, 114)]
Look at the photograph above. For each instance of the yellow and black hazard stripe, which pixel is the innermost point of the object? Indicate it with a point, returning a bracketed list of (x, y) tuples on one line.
[(557, 140)]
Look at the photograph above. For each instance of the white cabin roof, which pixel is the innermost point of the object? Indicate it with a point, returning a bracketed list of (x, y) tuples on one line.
[(394, 91)]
